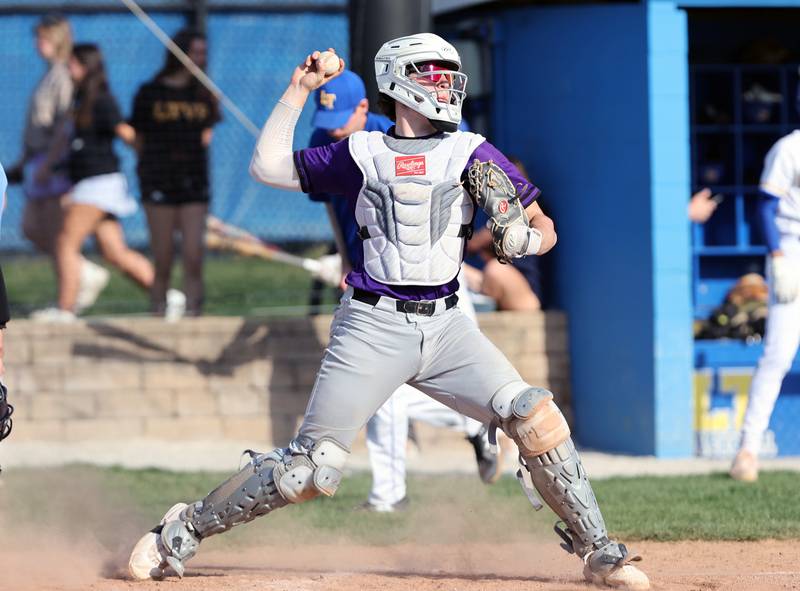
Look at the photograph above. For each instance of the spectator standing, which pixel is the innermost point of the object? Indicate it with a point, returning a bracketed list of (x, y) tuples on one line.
[(174, 115), (100, 193), (42, 166)]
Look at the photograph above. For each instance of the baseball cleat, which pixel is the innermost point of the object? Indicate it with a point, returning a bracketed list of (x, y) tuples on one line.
[(149, 557), (398, 507), (610, 566), (744, 467), (487, 457)]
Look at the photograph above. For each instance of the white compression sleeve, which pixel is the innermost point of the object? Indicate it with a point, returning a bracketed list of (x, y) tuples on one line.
[(272, 162)]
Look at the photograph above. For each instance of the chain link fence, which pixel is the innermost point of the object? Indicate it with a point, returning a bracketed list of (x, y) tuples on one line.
[(253, 48)]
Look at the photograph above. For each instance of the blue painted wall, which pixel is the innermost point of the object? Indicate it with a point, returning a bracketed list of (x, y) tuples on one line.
[(572, 87), (668, 82)]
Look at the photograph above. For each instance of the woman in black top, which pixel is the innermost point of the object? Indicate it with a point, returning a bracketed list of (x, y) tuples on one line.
[(173, 115), (99, 195)]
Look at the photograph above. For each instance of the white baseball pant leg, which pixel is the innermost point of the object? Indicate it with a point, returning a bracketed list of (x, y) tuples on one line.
[(387, 439), (387, 430), (373, 350), (780, 347)]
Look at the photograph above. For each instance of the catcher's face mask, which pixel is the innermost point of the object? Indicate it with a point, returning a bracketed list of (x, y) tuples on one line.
[(441, 80)]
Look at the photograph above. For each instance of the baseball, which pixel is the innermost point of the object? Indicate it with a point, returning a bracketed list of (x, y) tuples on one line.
[(328, 62)]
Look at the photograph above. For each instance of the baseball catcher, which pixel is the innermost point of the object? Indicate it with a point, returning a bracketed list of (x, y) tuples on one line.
[(412, 192)]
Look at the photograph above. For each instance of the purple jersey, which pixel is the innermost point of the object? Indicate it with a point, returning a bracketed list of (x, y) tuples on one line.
[(331, 169)]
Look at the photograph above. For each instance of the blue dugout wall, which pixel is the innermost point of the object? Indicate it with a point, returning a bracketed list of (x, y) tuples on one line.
[(251, 56), (594, 100)]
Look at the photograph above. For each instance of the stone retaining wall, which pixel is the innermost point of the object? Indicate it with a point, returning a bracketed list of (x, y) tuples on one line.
[(210, 378)]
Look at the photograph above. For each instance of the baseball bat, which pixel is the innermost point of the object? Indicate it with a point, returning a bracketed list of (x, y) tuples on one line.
[(229, 238)]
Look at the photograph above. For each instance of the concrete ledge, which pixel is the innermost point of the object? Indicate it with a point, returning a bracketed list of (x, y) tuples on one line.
[(214, 378)]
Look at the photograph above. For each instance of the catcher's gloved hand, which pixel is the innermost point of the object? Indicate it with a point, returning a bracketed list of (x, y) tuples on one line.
[(513, 242), (5, 412), (496, 195), (785, 279)]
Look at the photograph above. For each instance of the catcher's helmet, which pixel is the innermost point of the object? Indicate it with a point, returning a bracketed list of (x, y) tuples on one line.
[(400, 61)]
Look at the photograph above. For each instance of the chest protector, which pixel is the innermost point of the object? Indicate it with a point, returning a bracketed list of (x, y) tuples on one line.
[(412, 211)]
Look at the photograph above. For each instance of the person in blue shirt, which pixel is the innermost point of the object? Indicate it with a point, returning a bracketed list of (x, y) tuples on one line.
[(342, 108)]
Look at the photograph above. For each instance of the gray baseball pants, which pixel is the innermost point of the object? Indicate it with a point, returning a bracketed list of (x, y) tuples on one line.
[(375, 349)]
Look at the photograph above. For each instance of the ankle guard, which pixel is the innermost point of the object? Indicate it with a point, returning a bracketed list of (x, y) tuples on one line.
[(180, 542), (561, 482)]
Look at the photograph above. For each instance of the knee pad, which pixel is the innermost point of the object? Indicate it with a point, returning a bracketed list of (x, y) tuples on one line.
[(532, 420), (313, 468)]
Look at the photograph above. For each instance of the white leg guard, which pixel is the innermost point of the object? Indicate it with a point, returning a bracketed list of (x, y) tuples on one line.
[(269, 481), (534, 422)]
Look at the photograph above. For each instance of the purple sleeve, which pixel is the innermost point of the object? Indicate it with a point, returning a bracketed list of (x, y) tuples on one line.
[(328, 169), (527, 191)]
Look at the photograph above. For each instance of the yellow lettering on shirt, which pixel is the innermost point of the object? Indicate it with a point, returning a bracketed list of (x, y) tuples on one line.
[(168, 111)]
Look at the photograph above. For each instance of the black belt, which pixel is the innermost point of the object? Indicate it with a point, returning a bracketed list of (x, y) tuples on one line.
[(423, 307)]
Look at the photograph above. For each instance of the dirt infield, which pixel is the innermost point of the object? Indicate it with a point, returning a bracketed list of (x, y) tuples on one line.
[(686, 566)]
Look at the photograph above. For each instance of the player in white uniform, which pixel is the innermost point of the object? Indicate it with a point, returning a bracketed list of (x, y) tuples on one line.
[(413, 192), (779, 212)]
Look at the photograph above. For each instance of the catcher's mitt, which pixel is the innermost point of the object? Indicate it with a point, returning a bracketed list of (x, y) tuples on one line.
[(496, 195), (6, 410)]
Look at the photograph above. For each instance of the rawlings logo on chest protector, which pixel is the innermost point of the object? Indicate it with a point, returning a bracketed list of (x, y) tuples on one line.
[(409, 165)]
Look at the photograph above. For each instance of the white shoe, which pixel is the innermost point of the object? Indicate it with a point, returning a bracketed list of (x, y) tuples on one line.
[(94, 279), (149, 557), (176, 305), (54, 315), (745, 467), (600, 568)]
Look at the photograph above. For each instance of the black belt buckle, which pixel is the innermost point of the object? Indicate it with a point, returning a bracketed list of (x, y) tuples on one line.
[(423, 308), (426, 308)]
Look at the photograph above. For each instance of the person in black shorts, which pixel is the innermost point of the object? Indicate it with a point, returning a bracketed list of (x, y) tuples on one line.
[(173, 115), (99, 196)]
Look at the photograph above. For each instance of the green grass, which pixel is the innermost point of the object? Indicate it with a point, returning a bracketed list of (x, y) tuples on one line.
[(234, 286), (444, 509)]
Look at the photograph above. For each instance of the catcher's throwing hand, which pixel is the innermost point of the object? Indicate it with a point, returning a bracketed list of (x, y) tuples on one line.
[(311, 73)]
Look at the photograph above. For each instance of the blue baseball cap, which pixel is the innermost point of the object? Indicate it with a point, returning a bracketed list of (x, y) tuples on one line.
[(337, 100)]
